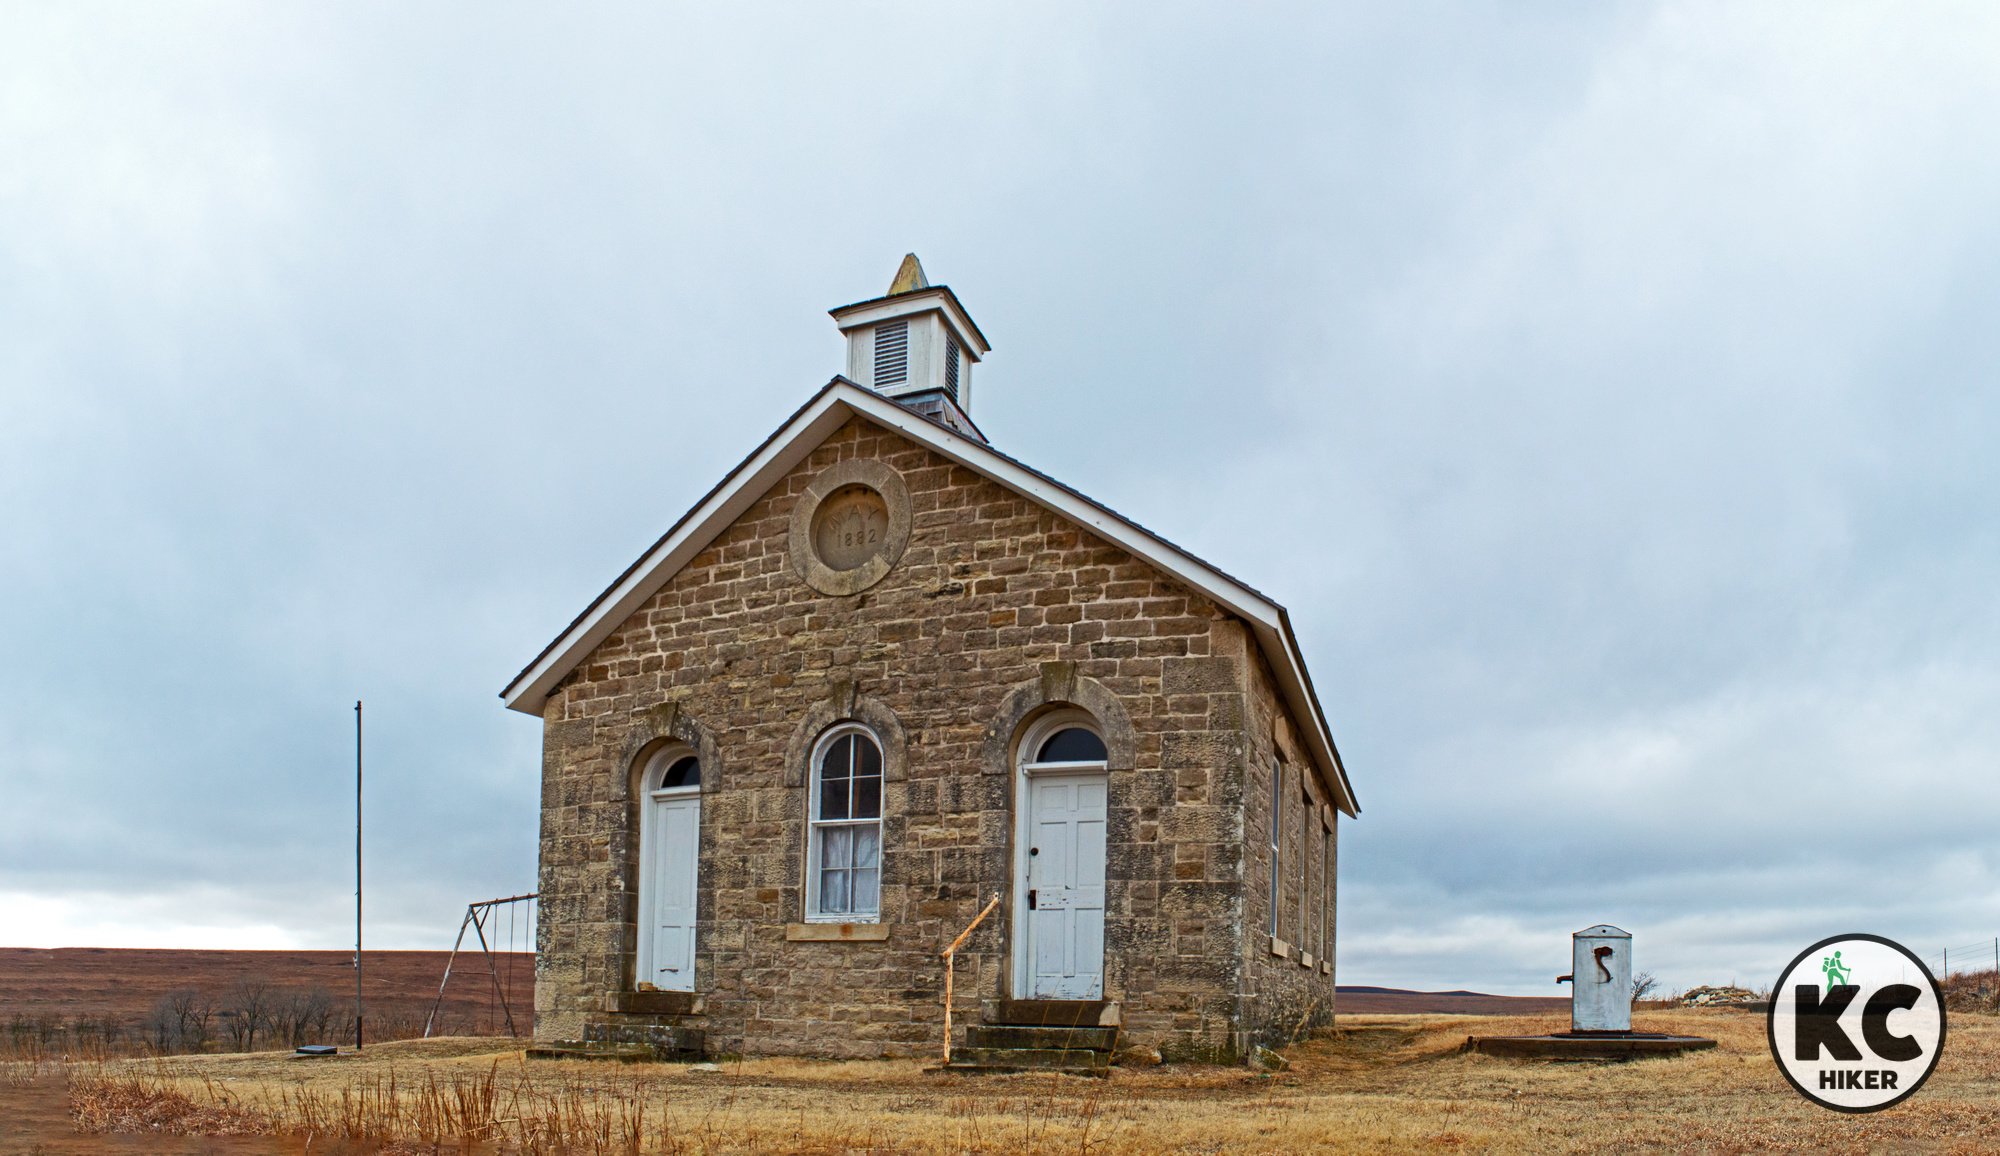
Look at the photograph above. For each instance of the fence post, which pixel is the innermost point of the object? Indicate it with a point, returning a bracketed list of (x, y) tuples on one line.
[(950, 959)]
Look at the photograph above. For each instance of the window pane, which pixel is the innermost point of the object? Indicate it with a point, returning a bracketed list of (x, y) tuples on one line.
[(1073, 745), (865, 897), (839, 759), (833, 799), (836, 847), (870, 761), (833, 893), (685, 772), (868, 798), (867, 845)]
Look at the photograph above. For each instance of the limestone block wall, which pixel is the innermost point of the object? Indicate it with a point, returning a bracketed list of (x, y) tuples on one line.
[(1288, 978), (996, 609)]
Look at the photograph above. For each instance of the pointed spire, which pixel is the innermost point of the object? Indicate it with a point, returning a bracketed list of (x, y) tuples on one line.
[(909, 276)]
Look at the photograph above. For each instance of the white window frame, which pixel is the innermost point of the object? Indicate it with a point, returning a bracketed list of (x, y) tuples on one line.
[(1306, 816), (664, 760), (1325, 889), (1277, 843), (1047, 727), (815, 825)]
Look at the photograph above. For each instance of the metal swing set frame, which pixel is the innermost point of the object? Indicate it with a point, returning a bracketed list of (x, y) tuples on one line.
[(478, 917)]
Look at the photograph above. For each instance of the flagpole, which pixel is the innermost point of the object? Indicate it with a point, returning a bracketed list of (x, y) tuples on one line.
[(357, 875)]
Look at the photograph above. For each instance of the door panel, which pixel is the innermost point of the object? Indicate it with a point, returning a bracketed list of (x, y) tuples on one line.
[(675, 867), (1065, 871)]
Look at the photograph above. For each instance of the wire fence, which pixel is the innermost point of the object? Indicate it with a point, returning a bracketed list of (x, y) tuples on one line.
[(1968, 957)]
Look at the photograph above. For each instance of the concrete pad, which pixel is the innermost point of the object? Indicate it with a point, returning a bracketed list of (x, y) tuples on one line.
[(1613, 1046)]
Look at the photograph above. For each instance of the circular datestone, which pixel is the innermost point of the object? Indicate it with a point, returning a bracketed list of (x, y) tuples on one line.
[(849, 527)]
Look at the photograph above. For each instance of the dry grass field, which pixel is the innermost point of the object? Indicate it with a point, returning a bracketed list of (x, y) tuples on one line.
[(1383, 1083)]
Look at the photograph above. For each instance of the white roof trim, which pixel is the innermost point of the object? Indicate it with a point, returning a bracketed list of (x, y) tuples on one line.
[(817, 421), (935, 299)]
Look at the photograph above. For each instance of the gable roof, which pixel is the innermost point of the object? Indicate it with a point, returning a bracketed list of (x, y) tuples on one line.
[(817, 420)]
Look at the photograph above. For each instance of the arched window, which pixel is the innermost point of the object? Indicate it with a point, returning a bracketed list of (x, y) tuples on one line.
[(1072, 744), (1063, 738), (844, 841), (672, 769)]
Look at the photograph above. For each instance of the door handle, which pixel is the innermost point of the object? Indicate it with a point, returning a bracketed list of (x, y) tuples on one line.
[(1031, 899)]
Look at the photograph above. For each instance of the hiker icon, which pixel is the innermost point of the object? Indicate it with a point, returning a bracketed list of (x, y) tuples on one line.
[(1836, 974)]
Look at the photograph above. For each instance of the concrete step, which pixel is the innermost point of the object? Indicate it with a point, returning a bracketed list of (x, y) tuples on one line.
[(1021, 1036), (1058, 1013), (1081, 1061), (659, 1041), (577, 1050)]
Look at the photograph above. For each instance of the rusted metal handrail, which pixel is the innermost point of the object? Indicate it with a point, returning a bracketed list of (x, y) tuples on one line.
[(950, 956)]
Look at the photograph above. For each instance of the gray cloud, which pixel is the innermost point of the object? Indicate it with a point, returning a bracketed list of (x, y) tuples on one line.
[(1608, 392)]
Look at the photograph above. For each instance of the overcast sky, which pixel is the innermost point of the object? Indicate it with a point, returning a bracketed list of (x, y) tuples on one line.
[(1609, 390)]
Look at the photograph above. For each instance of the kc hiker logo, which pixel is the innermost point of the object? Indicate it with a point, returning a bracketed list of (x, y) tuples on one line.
[(1857, 1023)]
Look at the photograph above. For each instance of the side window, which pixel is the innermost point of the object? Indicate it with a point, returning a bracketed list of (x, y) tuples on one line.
[(1277, 838), (1305, 862), (844, 840), (1326, 892)]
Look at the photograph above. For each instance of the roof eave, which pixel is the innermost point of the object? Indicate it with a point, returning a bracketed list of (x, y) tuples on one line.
[(1307, 706), (529, 690)]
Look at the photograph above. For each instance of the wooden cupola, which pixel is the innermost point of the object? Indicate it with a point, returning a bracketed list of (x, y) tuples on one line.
[(916, 344)]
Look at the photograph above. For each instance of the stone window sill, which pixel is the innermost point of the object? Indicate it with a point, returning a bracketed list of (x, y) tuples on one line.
[(837, 932), (1280, 948)]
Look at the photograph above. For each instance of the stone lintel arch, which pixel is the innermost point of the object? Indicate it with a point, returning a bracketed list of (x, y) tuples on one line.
[(653, 728), (1059, 686), (845, 703)]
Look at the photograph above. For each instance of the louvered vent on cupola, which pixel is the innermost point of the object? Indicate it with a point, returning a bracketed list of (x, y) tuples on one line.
[(892, 354), (951, 367)]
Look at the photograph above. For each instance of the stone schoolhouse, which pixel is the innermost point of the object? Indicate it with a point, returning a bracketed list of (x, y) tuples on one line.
[(883, 673)]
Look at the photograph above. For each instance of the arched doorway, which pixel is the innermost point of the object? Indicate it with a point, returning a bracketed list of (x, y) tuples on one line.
[(1061, 788), (669, 868)]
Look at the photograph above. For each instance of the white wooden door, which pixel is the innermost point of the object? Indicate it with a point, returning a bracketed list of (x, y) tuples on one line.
[(676, 858), (1065, 886)]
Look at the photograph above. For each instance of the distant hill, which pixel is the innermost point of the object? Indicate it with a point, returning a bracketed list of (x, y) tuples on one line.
[(1358, 999), (125, 984)]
